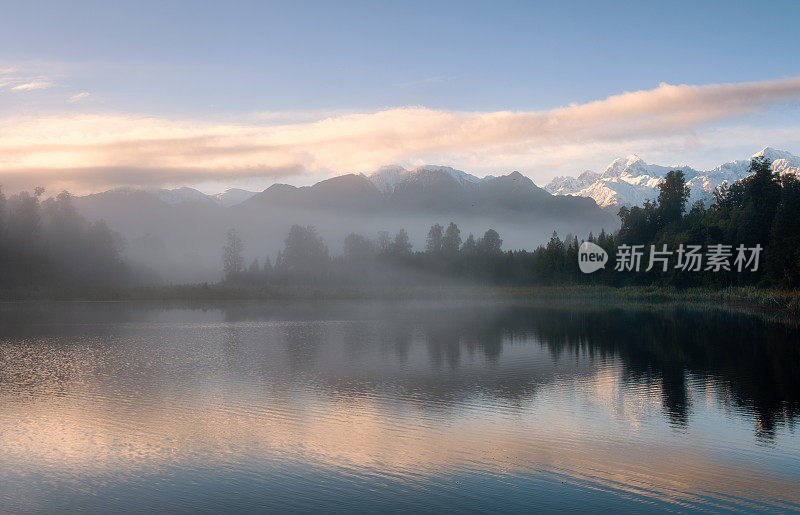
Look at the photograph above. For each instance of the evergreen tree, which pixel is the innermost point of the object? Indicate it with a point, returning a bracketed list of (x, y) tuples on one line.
[(384, 242), (469, 246), (672, 198), (402, 244), (760, 196), (254, 268), (784, 258), (490, 243), (304, 251), (232, 260), (433, 244), (358, 248), (451, 241)]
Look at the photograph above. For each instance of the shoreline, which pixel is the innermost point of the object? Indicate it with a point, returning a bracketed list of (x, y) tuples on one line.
[(751, 299)]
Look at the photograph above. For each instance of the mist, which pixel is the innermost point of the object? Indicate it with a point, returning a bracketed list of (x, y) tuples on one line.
[(183, 243)]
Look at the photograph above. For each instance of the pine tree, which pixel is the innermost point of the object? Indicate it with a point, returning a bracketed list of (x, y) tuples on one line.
[(451, 241), (433, 243), (401, 245), (469, 246), (232, 260)]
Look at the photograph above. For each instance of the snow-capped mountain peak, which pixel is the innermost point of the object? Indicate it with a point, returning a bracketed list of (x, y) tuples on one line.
[(227, 198), (630, 181), (178, 195), (782, 161), (387, 178), (232, 196), (774, 154)]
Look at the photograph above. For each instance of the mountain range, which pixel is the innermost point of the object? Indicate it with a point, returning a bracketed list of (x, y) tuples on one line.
[(630, 181), (178, 233), (625, 181)]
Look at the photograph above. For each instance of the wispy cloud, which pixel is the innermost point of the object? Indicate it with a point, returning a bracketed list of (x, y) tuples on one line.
[(16, 79), (78, 97), (40, 83), (90, 150)]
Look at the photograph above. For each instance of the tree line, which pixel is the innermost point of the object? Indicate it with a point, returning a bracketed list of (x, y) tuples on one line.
[(763, 209), (46, 242)]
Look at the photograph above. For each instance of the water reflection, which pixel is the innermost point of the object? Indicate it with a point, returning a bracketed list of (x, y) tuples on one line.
[(392, 405)]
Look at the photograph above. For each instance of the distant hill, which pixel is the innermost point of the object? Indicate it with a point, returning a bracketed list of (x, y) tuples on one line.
[(179, 233), (434, 189)]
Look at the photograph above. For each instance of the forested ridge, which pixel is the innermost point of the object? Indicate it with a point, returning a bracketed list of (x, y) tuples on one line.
[(44, 242), (761, 210)]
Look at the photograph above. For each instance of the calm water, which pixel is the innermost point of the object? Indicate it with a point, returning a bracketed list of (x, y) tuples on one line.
[(391, 406)]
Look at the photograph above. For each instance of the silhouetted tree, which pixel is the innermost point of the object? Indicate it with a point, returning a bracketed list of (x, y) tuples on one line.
[(760, 196), (672, 197), (785, 242), (254, 269), (639, 224), (304, 251), (232, 260), (433, 243), (46, 242), (2, 213), (24, 219), (384, 242), (490, 243), (358, 248), (451, 241), (469, 246), (402, 244)]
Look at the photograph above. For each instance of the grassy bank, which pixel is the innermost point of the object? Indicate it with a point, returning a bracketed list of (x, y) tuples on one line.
[(747, 298), (786, 301)]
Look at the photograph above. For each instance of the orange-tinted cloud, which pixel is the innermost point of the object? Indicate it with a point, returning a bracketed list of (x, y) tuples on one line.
[(87, 151)]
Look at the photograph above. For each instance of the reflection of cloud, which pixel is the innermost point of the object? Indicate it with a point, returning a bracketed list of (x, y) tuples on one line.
[(622, 399), (53, 147), (69, 436), (142, 404)]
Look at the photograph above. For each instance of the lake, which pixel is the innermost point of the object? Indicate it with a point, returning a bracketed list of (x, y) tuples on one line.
[(396, 406)]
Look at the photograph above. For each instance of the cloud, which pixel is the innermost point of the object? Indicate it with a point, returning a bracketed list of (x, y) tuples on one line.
[(78, 97), (99, 178), (32, 85), (90, 149), (15, 79)]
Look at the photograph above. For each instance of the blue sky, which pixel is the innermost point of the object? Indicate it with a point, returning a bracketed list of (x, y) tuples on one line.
[(193, 65)]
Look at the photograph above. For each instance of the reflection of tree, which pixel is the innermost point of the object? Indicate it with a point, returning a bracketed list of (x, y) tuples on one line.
[(444, 345), (757, 359), (398, 336), (357, 336), (754, 360), (673, 391), (302, 343)]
